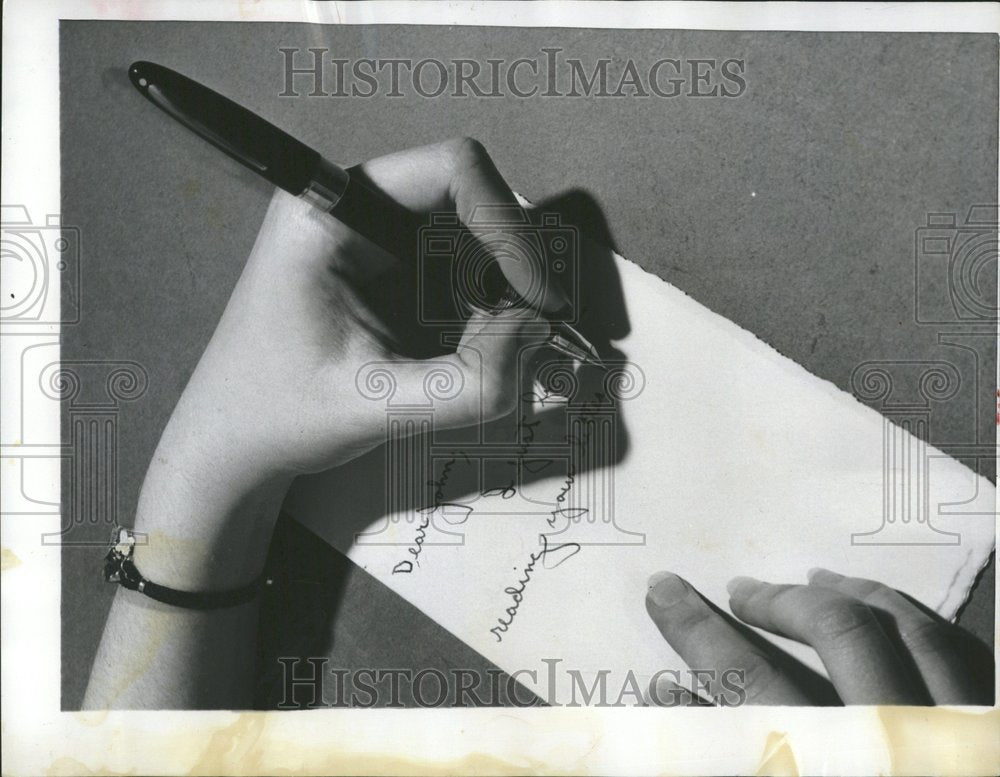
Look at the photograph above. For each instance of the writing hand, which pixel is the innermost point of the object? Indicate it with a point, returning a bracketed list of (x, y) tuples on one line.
[(276, 391), (280, 371), (275, 395), (878, 646)]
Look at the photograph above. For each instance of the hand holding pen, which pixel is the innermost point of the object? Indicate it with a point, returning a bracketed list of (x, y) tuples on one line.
[(275, 394)]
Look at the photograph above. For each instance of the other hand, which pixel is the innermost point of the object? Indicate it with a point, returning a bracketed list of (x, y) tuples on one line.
[(878, 645)]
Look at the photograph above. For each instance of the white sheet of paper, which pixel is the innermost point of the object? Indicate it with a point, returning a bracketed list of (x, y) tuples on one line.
[(738, 462)]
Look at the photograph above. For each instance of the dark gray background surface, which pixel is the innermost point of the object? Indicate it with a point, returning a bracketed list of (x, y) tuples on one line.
[(847, 140)]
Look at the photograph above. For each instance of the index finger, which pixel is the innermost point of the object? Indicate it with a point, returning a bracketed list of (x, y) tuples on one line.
[(926, 638), (861, 660), (458, 176), (707, 642)]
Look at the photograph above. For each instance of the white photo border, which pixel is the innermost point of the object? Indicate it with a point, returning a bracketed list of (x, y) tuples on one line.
[(38, 737)]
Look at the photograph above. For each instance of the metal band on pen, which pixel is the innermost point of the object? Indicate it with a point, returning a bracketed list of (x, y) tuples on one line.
[(327, 185)]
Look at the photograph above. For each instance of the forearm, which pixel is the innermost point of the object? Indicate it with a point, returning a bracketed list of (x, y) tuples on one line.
[(204, 523)]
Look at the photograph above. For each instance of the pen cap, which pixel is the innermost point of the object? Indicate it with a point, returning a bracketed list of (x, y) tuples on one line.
[(244, 136)]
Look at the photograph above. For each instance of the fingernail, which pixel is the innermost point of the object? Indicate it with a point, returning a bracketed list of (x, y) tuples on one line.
[(477, 311), (666, 589), (745, 583), (818, 574), (509, 300)]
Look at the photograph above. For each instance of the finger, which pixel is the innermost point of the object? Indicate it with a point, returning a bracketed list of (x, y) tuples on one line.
[(664, 692), (487, 360), (459, 176), (927, 639), (708, 642), (455, 172), (859, 657)]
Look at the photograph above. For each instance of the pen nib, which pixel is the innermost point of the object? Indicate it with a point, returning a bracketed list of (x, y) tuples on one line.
[(568, 341)]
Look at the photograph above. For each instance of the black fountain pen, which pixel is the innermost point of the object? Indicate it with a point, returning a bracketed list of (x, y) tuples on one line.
[(302, 171)]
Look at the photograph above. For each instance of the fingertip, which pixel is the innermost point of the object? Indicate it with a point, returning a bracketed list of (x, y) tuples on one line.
[(821, 576), (742, 586), (656, 577), (665, 589), (481, 316)]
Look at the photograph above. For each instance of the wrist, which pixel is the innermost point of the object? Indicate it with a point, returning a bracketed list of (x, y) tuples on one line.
[(206, 512)]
